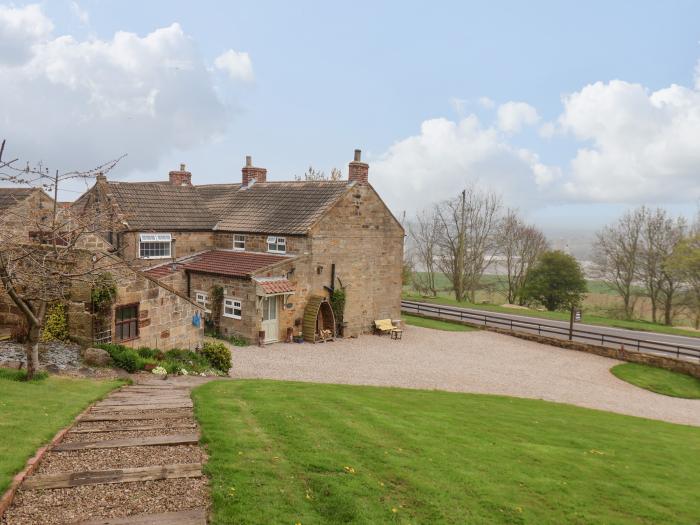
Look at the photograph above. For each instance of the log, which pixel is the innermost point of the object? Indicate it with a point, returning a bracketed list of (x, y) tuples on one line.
[(185, 517), (100, 477), (130, 428), (126, 416), (147, 441)]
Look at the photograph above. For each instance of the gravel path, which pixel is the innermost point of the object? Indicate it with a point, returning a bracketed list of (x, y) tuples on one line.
[(72, 504), (479, 361)]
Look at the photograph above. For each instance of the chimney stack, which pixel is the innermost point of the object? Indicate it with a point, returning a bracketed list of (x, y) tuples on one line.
[(252, 174), (180, 178), (358, 171), (101, 177)]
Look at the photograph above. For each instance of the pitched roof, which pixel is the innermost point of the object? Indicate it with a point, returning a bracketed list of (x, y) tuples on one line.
[(279, 207), (161, 206), (234, 264), (217, 196), (11, 196), (276, 286)]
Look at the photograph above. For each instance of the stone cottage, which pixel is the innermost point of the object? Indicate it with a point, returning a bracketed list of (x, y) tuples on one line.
[(144, 312), (271, 245)]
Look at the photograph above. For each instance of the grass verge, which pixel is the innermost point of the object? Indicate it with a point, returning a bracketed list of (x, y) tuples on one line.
[(425, 322), (658, 380), (31, 412), (283, 452), (642, 326)]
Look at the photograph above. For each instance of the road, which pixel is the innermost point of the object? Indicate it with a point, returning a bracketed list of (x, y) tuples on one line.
[(646, 342)]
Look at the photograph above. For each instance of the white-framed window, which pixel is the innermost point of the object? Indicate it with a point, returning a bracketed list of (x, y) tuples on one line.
[(239, 242), (155, 245), (202, 299), (232, 308), (276, 244)]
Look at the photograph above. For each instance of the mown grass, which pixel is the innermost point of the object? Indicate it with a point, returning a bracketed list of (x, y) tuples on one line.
[(31, 412), (435, 324), (282, 452), (644, 326), (659, 380)]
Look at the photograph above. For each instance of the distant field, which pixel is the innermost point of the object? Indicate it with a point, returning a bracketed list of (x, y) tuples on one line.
[(601, 306)]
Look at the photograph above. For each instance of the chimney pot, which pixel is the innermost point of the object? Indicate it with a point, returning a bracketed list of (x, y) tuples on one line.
[(251, 174), (358, 171), (181, 177)]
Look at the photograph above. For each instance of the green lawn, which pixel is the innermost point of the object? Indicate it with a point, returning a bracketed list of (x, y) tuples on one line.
[(283, 452), (436, 324), (644, 326), (32, 412), (659, 380)]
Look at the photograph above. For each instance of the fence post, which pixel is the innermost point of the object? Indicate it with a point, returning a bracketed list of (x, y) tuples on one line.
[(484, 319), (678, 352), (602, 339), (511, 325)]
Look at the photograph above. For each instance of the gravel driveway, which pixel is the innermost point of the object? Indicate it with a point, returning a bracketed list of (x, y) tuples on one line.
[(479, 361)]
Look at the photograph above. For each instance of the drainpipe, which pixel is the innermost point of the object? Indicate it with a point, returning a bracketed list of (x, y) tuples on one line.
[(189, 294)]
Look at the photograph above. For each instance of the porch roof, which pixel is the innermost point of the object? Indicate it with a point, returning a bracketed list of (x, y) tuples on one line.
[(276, 286), (231, 263)]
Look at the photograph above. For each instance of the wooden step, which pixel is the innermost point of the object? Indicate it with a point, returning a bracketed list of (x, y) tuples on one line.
[(177, 439), (144, 401), (100, 477), (130, 429), (185, 517), (149, 406), (126, 416)]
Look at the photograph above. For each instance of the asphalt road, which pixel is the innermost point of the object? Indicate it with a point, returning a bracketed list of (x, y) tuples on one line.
[(635, 340)]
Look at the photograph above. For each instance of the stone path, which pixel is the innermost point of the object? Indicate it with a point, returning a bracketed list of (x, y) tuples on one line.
[(133, 459)]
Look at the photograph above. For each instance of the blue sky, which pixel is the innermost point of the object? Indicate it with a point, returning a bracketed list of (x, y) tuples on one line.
[(327, 77)]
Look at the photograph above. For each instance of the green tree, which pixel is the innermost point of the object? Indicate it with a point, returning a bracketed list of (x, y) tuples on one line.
[(685, 264), (556, 281)]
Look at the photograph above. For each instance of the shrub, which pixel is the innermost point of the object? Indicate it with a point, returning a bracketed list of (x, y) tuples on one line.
[(147, 353), (124, 357), (21, 375), (56, 324), (218, 355)]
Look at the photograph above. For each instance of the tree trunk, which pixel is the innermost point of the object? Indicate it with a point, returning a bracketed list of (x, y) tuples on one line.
[(32, 350), (668, 311)]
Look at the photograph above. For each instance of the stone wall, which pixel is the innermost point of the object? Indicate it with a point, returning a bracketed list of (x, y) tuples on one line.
[(257, 242), (235, 288), (186, 243), (365, 242), (675, 365)]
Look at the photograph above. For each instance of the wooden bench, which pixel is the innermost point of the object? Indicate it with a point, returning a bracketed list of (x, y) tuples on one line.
[(386, 326)]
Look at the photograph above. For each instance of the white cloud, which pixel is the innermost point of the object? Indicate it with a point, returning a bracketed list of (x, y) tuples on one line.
[(512, 116), (459, 105), (434, 165), (486, 103), (80, 13), (21, 29), (236, 64), (642, 145), (79, 103)]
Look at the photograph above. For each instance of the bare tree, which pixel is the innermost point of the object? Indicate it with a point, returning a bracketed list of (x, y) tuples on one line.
[(660, 235), (467, 238), (617, 251), (684, 263), (425, 237), (520, 245), (315, 175), (42, 255)]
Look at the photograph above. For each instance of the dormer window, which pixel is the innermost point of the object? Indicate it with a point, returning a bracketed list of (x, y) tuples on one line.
[(276, 244), (239, 243), (155, 245)]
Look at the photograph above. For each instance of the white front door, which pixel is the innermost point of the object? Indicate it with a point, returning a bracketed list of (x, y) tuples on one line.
[(270, 321)]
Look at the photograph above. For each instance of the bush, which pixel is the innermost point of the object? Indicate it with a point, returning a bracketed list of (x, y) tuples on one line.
[(148, 353), (218, 355), (56, 324), (556, 281), (21, 375), (124, 357)]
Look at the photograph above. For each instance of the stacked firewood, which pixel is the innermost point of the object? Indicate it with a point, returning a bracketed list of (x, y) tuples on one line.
[(326, 334)]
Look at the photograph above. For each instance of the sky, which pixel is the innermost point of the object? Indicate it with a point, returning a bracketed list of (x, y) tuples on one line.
[(572, 111)]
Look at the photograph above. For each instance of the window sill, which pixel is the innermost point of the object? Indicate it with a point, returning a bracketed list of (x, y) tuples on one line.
[(156, 257), (119, 341), (232, 316)]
